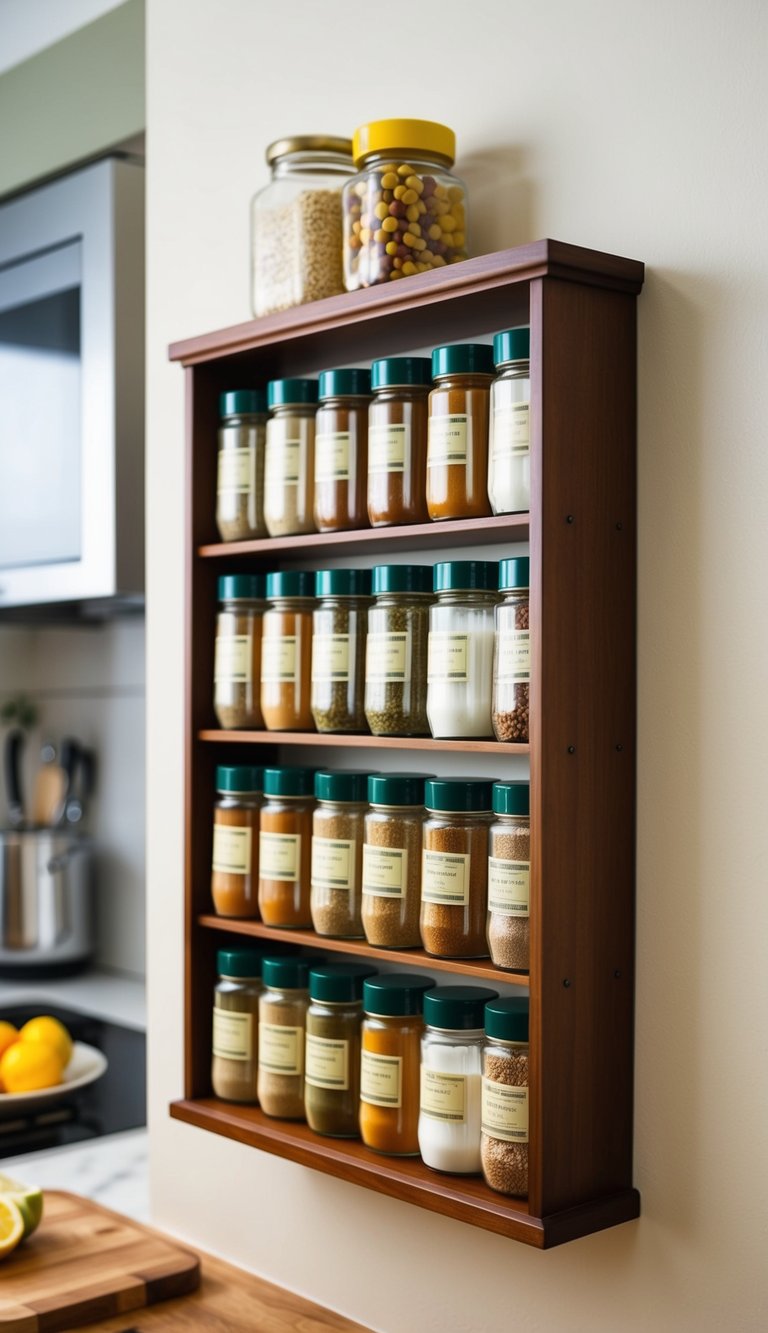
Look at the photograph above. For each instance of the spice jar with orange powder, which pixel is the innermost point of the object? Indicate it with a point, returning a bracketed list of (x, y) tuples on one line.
[(457, 442), (236, 840), (285, 847), (389, 1070), (286, 652)]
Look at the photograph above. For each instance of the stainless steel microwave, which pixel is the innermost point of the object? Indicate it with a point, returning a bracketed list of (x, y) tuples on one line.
[(72, 390)]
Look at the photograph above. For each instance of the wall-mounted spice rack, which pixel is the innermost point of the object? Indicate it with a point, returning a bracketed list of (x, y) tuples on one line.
[(581, 307)]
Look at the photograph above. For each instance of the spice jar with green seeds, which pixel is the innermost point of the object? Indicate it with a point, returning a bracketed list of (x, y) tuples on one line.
[(396, 656), (339, 628)]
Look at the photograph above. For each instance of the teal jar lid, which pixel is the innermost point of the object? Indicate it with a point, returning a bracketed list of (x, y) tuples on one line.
[(239, 779), (457, 1008), (397, 788), (289, 782), (515, 573), (396, 372), (512, 345), (291, 393), (343, 583), (401, 578), (239, 962), (507, 1020), (462, 359), (287, 972), (242, 587), (457, 795), (511, 798), (339, 983), (290, 583), (395, 994), (464, 575), (350, 383), (351, 785), (242, 402)]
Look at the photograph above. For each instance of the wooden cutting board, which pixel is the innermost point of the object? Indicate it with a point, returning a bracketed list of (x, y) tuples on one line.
[(85, 1263)]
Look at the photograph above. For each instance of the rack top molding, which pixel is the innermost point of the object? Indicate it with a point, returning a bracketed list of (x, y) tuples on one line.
[(539, 259)]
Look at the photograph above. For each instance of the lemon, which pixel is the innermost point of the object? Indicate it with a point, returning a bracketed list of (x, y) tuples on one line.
[(53, 1032), (28, 1066), (8, 1035), (11, 1226), (28, 1199)]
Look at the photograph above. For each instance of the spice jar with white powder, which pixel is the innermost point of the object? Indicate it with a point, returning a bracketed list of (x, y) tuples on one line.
[(460, 652), (451, 1078), (289, 461), (509, 445)]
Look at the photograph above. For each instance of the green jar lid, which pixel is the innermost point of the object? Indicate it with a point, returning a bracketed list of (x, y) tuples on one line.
[(242, 402), (289, 782), (239, 779), (463, 575), (287, 972), (339, 786), (462, 359), (339, 983), (395, 994), (241, 587), (511, 798), (512, 345), (343, 583), (239, 962), (291, 393), (514, 573), (344, 384), (402, 578), (397, 788), (458, 795), (507, 1020), (291, 583), (458, 1008), (398, 371)]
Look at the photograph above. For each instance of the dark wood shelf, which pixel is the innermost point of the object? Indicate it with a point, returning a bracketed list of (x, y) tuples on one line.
[(370, 541), (423, 744)]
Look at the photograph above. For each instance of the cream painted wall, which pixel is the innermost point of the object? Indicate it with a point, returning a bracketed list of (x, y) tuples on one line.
[(637, 129)]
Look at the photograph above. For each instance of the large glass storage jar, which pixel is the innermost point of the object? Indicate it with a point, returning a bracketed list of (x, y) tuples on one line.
[(451, 1078), (512, 653), (282, 1026), (391, 901), (457, 444), (397, 440), (237, 657), (460, 658), (234, 1063), (389, 1066), (504, 1137), (454, 871), (405, 211), (240, 477), (509, 451), (235, 860), (339, 627), (341, 450), (396, 650), (509, 877), (296, 223), (289, 462), (332, 1073), (337, 853), (285, 847), (286, 652)]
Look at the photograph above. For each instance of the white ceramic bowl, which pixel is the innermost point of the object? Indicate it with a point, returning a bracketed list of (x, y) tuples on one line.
[(86, 1065)]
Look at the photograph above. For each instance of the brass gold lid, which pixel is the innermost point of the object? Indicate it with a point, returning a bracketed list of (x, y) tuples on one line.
[(307, 143)]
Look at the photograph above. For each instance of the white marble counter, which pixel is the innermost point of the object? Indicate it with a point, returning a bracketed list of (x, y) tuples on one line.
[(110, 995), (112, 1170)]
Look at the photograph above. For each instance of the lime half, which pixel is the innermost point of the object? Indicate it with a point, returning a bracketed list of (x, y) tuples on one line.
[(11, 1225), (28, 1200)]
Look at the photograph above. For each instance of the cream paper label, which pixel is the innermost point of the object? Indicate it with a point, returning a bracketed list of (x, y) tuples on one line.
[(381, 1079), (388, 657), (283, 454), (279, 856), (513, 656), (333, 864), (385, 871), (511, 430), (447, 656), (448, 440), (232, 844), (387, 448), (505, 1112), (233, 659), (445, 878), (278, 658), (281, 1050), (509, 885), (332, 456), (236, 470), (330, 657), (443, 1096), (327, 1063), (232, 1035)]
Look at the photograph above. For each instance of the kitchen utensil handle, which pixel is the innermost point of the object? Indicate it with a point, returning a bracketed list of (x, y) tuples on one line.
[(12, 757)]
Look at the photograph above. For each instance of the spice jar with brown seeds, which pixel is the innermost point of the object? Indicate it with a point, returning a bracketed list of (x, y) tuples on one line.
[(286, 652), (237, 659), (454, 873), (339, 627), (234, 1066), (337, 853), (505, 1111), (512, 653), (240, 478), (285, 847), (235, 861), (457, 445), (397, 440), (341, 450), (392, 860), (282, 1028), (509, 877)]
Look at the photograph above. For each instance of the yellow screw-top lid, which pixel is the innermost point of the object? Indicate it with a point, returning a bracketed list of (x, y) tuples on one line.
[(401, 138)]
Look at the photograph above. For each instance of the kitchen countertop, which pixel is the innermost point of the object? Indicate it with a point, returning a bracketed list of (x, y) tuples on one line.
[(112, 1170), (112, 995)]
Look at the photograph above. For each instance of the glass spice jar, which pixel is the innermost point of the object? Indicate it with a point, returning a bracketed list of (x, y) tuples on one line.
[(451, 1078), (509, 877), (282, 1026), (460, 656), (396, 651), (512, 653), (285, 847), (237, 657), (332, 1072), (339, 626), (235, 860), (504, 1137), (341, 450), (457, 440), (289, 462), (234, 1064), (240, 477), (454, 872), (389, 1065), (337, 853), (391, 898), (286, 652), (509, 447), (397, 440)]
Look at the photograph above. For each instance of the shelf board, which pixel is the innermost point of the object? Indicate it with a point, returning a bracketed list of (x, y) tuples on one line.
[(308, 939), (421, 743), (369, 541), (464, 1198)]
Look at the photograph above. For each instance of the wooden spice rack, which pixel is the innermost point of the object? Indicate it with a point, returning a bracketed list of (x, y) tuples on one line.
[(581, 307)]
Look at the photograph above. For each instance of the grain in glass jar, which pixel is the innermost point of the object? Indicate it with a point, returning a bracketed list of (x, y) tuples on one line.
[(339, 627), (504, 1137), (509, 877), (509, 450), (512, 653), (454, 871), (289, 464), (405, 210), (234, 1064), (240, 477), (451, 1078), (396, 650), (282, 1030), (457, 443), (397, 440), (337, 853), (235, 860), (391, 901), (390, 1058), (332, 1072), (285, 847), (237, 657), (460, 657), (286, 652), (341, 450)]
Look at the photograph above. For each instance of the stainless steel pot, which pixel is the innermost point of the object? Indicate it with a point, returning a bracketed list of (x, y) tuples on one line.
[(46, 908)]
